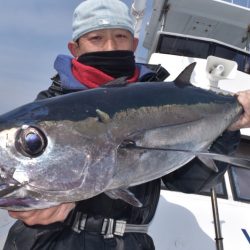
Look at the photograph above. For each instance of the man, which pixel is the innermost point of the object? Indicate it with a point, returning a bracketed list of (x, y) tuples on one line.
[(244, 121), (102, 47)]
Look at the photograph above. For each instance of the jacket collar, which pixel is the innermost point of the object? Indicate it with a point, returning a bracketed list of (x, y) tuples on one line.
[(63, 64)]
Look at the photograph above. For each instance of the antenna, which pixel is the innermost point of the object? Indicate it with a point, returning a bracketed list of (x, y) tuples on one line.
[(248, 38)]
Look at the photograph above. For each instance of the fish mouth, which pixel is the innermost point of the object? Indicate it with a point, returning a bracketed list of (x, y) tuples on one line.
[(8, 199), (14, 195), (8, 188), (11, 198), (8, 184), (17, 204)]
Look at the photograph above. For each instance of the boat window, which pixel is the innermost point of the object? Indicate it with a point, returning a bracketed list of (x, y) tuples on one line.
[(190, 47), (239, 176), (243, 60), (240, 183), (220, 189), (183, 46)]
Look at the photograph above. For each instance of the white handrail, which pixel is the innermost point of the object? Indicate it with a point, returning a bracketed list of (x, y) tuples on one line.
[(138, 11), (246, 4)]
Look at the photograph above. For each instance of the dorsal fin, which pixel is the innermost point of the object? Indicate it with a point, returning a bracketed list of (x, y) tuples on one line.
[(103, 116), (183, 79), (125, 195), (118, 82)]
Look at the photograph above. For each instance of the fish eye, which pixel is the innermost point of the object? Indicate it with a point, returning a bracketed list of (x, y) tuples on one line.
[(31, 141)]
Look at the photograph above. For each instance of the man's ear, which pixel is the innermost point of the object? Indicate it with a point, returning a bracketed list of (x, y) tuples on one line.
[(73, 48), (135, 43)]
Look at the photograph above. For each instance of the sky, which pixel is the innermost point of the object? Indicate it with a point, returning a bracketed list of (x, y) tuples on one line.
[(32, 34)]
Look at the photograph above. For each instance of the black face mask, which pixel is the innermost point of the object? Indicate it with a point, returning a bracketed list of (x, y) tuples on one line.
[(115, 63)]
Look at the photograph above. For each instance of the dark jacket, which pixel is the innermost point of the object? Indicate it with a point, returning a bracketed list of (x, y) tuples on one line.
[(191, 178)]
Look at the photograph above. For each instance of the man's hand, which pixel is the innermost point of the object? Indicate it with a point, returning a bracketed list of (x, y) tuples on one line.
[(244, 120), (44, 216)]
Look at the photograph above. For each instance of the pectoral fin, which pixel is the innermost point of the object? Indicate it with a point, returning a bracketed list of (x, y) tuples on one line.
[(205, 157), (242, 162), (118, 82), (208, 162), (125, 195)]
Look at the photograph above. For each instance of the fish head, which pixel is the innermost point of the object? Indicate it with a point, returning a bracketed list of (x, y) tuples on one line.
[(44, 162)]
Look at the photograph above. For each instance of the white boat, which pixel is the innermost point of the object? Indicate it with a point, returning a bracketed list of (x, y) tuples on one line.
[(216, 35)]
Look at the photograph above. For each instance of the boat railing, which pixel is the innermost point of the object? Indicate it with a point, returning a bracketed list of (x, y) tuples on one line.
[(244, 3), (177, 44)]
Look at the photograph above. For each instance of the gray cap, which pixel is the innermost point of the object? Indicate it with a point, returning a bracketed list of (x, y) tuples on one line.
[(93, 15)]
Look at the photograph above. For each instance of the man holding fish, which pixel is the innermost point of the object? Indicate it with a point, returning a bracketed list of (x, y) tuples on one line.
[(103, 48), (244, 120)]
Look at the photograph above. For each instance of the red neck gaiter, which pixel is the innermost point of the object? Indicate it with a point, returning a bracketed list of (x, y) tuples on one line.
[(94, 78)]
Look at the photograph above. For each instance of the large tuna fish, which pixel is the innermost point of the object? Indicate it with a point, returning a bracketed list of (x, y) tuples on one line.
[(77, 146)]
